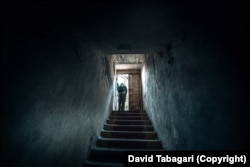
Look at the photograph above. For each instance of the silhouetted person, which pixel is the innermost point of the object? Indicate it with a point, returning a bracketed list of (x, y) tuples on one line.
[(122, 92)]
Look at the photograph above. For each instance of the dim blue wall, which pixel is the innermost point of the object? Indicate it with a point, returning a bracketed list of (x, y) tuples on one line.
[(56, 75), (54, 101), (195, 87)]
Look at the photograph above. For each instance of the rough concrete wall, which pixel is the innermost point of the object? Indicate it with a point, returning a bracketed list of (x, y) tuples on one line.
[(54, 100), (195, 90), (50, 104)]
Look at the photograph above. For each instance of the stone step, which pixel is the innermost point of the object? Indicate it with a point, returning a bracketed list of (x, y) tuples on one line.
[(129, 122), (128, 143), (136, 111), (89, 163), (128, 118), (115, 155), (123, 131), (119, 113), (129, 134), (128, 127), (106, 155)]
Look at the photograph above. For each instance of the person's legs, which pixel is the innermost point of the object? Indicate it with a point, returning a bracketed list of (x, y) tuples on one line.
[(119, 103), (123, 102)]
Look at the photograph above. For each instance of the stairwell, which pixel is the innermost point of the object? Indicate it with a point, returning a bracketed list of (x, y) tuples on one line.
[(123, 131)]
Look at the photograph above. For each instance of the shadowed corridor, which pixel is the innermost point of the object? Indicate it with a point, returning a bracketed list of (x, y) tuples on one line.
[(58, 67)]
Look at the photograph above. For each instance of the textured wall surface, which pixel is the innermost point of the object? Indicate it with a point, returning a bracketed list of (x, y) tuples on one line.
[(194, 89), (56, 75), (55, 103)]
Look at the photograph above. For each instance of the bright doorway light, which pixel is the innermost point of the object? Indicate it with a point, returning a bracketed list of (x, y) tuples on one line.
[(121, 78)]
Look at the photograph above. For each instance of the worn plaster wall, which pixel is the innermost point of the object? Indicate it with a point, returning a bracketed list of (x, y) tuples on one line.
[(56, 75), (194, 88), (53, 100)]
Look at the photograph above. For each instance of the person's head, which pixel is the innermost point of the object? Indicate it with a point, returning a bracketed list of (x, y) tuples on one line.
[(122, 84)]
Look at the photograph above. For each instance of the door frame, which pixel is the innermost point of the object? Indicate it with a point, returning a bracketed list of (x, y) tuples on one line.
[(133, 71)]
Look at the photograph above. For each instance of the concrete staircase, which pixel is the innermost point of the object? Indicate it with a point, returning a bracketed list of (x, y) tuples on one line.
[(123, 131)]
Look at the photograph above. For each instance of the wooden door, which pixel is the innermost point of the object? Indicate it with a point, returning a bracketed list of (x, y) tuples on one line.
[(135, 92)]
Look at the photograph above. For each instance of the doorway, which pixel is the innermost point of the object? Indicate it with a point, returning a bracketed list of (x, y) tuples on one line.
[(135, 92), (121, 78), (132, 80)]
